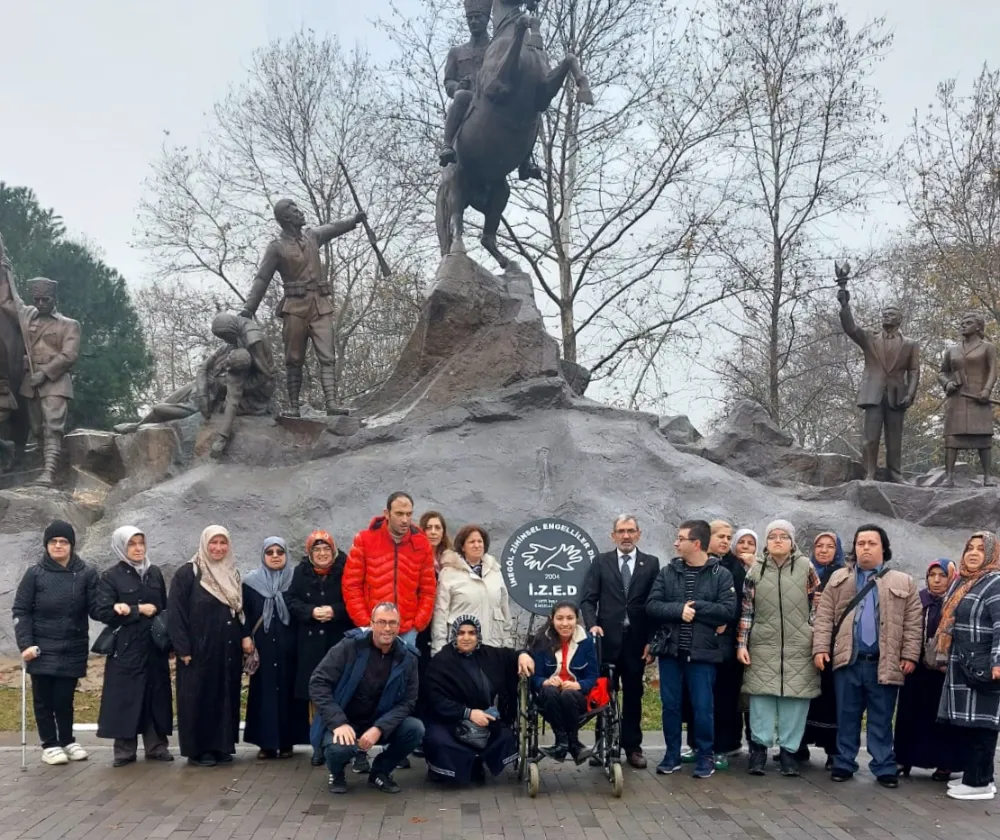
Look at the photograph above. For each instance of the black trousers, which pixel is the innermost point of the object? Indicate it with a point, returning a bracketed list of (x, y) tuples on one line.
[(562, 709), (629, 671), (53, 702), (981, 745)]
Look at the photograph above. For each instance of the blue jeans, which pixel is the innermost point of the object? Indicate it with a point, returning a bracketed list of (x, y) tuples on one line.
[(700, 680), (858, 691), (403, 740)]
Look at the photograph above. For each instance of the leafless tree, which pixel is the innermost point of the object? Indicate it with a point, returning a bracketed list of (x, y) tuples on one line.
[(949, 167), (207, 214), (615, 236), (808, 153)]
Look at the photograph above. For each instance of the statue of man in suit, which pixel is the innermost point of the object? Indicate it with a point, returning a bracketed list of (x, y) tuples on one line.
[(888, 385)]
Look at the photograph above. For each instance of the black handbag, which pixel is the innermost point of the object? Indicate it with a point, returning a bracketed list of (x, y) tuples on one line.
[(470, 735), (659, 644), (104, 644), (977, 671), (158, 632)]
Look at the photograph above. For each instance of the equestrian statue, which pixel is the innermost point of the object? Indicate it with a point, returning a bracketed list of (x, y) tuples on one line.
[(496, 133)]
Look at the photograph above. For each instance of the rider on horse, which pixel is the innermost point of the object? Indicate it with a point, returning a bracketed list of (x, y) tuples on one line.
[(461, 67)]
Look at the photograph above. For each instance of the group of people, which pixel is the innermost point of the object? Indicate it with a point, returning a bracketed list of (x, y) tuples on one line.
[(407, 642), (796, 651)]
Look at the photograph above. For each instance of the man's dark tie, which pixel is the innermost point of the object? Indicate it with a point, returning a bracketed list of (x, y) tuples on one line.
[(626, 572)]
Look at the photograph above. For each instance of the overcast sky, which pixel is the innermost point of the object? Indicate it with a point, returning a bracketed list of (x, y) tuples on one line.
[(88, 88)]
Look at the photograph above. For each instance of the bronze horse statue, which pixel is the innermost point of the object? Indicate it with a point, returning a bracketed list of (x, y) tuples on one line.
[(513, 88)]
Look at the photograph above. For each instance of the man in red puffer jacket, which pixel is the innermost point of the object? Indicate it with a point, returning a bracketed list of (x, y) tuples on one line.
[(391, 561)]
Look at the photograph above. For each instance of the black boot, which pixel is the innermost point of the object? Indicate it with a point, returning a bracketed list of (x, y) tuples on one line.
[(557, 752), (789, 766), (579, 752), (293, 381), (528, 170), (757, 762), (52, 449), (328, 379)]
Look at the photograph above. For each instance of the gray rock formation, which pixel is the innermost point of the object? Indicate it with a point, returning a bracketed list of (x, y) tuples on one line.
[(749, 442)]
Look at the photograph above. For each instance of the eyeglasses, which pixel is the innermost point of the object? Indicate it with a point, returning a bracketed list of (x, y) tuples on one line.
[(629, 532), (274, 552), (779, 538), (685, 539), (385, 624), (62, 541)]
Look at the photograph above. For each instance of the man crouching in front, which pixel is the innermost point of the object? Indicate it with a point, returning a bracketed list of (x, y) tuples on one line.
[(364, 691)]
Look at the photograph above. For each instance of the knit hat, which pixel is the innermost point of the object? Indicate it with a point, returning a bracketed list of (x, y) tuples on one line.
[(58, 528), (780, 525)]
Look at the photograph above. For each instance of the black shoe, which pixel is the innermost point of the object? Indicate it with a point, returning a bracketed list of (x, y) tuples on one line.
[(905, 771), (223, 758), (888, 781), (557, 752), (478, 773), (361, 764), (203, 760), (418, 752), (802, 754), (841, 776), (121, 762), (829, 763), (595, 761), (447, 156), (317, 760), (383, 782), (580, 753), (789, 766), (757, 761), (159, 756), (337, 782), (404, 764), (938, 775), (529, 172)]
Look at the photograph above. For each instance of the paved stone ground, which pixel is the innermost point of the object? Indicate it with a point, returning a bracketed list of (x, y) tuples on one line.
[(288, 800)]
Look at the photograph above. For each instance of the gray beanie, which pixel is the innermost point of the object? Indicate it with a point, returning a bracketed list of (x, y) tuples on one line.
[(780, 525)]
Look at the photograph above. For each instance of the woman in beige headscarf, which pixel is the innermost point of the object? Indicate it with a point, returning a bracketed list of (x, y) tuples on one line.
[(206, 627)]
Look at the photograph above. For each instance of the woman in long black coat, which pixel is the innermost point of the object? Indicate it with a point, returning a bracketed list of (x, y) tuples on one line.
[(921, 740), (136, 698), (316, 603), (276, 720), (469, 681), (205, 624), (51, 607)]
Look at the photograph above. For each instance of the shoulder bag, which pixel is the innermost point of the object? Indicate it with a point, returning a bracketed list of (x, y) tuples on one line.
[(470, 735), (105, 643), (251, 661), (857, 599)]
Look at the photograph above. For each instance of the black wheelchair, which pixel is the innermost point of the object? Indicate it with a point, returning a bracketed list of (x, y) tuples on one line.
[(528, 724)]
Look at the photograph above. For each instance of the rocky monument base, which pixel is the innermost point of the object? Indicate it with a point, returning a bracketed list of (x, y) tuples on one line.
[(481, 421)]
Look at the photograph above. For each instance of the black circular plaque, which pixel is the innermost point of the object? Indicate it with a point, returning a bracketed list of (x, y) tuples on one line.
[(545, 561)]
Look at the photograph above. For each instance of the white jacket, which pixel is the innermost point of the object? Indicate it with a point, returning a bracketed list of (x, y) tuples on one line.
[(461, 592)]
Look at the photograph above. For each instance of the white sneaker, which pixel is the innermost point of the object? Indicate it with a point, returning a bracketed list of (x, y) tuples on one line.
[(954, 783), (55, 755), (76, 752), (686, 752), (972, 793)]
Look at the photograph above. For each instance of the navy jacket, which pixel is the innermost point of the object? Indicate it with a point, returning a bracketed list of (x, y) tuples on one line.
[(582, 664)]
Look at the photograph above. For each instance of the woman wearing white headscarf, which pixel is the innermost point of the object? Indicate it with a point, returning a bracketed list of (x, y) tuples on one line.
[(206, 628), (136, 698), (276, 721)]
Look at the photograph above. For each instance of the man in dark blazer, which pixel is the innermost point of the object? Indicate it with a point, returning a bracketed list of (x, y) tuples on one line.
[(614, 607), (888, 385)]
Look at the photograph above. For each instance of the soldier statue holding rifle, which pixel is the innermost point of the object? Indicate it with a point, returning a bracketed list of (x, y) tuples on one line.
[(305, 310)]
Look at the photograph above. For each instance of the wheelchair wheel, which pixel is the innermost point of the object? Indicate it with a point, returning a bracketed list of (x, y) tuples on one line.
[(617, 780), (534, 780)]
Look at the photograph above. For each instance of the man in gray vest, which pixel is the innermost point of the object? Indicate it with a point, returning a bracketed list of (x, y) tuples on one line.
[(877, 646)]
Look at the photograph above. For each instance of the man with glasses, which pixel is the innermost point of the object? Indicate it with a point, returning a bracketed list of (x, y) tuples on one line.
[(614, 607), (365, 691), (691, 599)]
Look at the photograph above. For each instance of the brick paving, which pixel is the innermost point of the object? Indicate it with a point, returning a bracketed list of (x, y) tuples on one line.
[(288, 800)]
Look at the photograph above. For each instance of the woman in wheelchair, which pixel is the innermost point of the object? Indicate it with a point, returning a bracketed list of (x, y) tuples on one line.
[(470, 694), (566, 670)]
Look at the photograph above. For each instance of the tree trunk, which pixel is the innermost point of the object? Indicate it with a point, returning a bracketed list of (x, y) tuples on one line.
[(564, 249)]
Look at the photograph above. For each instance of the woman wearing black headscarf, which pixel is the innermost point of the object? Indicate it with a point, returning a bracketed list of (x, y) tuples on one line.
[(920, 739), (469, 685)]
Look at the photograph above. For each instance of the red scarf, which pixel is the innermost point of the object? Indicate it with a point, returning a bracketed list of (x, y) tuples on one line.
[(323, 572), (564, 673)]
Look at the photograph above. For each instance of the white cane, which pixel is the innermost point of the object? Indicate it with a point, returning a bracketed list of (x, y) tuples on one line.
[(24, 716)]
